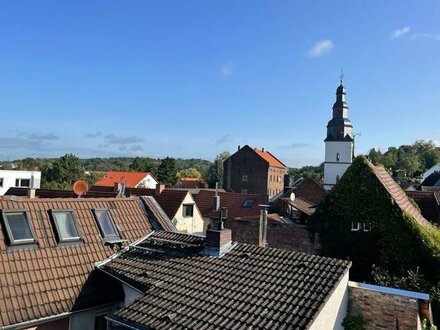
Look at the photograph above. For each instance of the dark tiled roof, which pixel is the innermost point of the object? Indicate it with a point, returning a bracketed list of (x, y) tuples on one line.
[(232, 201), (396, 193), (302, 205), (248, 287), (170, 200), (50, 279), (128, 191), (432, 180), (156, 214), (428, 202)]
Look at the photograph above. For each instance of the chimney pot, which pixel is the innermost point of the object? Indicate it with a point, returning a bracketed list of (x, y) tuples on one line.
[(262, 149), (31, 192), (238, 147)]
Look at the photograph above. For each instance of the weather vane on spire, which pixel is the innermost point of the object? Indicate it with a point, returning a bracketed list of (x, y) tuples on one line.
[(342, 76)]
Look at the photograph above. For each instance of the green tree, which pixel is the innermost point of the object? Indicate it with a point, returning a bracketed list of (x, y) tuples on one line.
[(215, 171), (144, 164), (166, 172), (189, 173), (375, 156), (62, 173)]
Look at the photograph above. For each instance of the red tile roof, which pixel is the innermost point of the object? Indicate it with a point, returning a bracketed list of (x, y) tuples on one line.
[(132, 179), (268, 157), (170, 200), (232, 201), (397, 194), (47, 279)]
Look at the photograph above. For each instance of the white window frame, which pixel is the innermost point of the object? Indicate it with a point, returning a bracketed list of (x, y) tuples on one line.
[(19, 182), (244, 178), (184, 206), (357, 227)]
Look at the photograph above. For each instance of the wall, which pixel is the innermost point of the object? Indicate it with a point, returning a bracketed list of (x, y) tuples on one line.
[(279, 235), (191, 225), (130, 294), (9, 177), (335, 309), (148, 182), (382, 309), (276, 185), (246, 162)]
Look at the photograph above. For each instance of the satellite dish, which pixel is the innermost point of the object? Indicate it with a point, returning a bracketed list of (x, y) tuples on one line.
[(80, 187), (292, 197)]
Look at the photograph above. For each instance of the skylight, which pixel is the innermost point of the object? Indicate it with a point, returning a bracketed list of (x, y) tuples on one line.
[(18, 228), (105, 224), (248, 203), (65, 226)]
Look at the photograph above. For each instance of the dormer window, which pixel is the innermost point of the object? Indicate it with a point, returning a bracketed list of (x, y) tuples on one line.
[(65, 225), (244, 178), (338, 157), (18, 228), (105, 223)]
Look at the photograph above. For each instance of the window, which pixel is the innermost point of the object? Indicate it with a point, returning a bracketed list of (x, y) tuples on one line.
[(366, 226), (105, 223), (338, 157), (18, 227), (188, 210), (248, 203), (23, 183), (65, 226), (1, 182), (244, 178), (244, 191), (355, 226)]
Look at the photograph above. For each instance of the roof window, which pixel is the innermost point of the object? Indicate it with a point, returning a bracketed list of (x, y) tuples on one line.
[(65, 225), (248, 203), (105, 223), (18, 227)]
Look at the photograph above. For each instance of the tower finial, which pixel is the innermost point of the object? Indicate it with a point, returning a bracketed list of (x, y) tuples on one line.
[(342, 76)]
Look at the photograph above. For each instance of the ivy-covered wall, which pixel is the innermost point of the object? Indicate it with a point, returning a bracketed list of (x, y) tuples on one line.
[(394, 240)]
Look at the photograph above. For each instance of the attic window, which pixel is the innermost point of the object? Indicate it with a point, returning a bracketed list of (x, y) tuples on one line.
[(338, 157), (188, 210), (244, 178), (248, 203), (355, 226), (65, 226), (105, 223), (18, 227)]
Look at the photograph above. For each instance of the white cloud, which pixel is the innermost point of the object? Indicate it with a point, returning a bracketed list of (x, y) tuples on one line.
[(227, 70), (320, 48), (400, 32)]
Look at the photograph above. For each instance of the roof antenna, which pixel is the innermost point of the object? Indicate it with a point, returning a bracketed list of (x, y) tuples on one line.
[(342, 76)]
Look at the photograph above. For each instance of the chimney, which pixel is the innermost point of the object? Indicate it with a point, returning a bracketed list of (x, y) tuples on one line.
[(116, 186), (263, 228), (262, 149), (159, 189), (216, 199), (31, 191), (238, 148), (217, 242)]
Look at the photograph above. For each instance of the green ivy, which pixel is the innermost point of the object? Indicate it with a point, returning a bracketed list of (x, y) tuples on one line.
[(354, 322)]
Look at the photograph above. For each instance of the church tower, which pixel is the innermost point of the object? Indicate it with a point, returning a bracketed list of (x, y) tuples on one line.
[(339, 142)]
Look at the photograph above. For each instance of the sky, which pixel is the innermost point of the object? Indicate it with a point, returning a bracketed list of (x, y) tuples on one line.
[(191, 79)]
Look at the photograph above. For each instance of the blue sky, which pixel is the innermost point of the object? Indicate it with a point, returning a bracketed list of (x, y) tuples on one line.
[(194, 78)]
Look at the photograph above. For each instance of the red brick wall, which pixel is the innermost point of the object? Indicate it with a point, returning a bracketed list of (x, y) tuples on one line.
[(382, 310), (282, 236), (246, 162)]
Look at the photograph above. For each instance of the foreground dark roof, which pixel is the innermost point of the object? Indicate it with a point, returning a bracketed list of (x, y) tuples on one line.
[(432, 180), (428, 202), (248, 287), (50, 278)]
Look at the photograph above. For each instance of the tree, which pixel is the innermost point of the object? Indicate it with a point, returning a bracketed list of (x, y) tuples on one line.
[(166, 172), (189, 173), (375, 156), (215, 171), (144, 164), (62, 173)]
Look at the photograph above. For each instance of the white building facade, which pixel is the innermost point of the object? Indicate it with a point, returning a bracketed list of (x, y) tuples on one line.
[(22, 179), (339, 143)]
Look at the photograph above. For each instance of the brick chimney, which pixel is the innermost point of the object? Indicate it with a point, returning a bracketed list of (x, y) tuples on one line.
[(159, 189), (217, 242)]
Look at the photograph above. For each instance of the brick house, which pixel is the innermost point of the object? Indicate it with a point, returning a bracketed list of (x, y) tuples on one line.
[(253, 171)]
